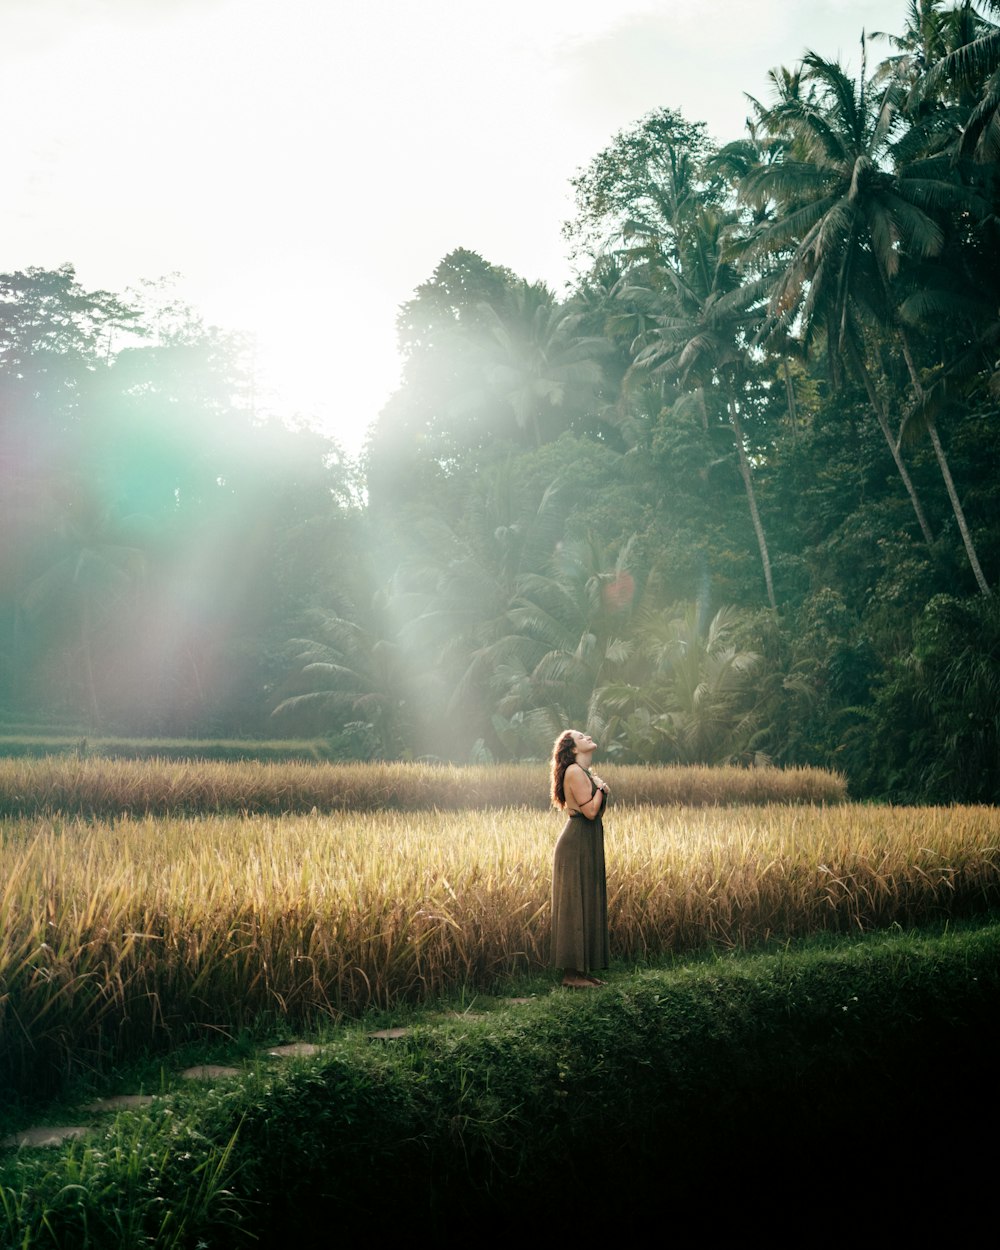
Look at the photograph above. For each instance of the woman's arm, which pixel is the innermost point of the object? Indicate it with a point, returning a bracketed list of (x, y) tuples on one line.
[(576, 783)]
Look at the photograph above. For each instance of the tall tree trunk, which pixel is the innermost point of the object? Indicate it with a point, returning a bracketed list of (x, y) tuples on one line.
[(862, 371), (956, 506), (88, 667), (741, 451), (942, 459), (704, 408), (793, 415)]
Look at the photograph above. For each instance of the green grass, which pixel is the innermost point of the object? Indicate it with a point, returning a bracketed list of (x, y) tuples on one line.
[(782, 1058)]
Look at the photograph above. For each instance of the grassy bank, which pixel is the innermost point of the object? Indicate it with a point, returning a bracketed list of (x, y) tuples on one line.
[(707, 1081), (119, 936), (110, 787)]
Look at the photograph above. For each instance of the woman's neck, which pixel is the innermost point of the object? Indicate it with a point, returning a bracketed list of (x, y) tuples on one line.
[(583, 758)]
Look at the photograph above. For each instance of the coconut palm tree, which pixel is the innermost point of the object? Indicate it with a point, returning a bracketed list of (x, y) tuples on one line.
[(709, 316), (351, 677), (457, 581), (566, 636), (932, 30), (535, 361), (689, 697), (692, 312), (845, 222), (965, 56)]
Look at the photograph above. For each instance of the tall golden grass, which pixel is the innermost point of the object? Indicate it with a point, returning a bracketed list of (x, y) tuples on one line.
[(119, 935), (109, 787)]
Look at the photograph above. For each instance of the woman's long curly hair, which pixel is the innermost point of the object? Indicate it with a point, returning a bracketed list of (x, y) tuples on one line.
[(563, 754)]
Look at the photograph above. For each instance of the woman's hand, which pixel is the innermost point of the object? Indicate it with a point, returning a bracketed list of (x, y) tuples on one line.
[(601, 785)]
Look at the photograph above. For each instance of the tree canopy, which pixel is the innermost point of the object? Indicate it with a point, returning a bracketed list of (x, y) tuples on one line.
[(733, 495)]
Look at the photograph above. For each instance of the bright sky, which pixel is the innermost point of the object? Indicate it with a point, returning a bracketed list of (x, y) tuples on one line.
[(304, 164)]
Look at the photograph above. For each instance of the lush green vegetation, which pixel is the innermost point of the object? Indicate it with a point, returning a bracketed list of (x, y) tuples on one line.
[(715, 1077), (732, 497)]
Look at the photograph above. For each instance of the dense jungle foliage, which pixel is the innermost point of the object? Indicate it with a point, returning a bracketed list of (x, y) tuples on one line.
[(731, 497)]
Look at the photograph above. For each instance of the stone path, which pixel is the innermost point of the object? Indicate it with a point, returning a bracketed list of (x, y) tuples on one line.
[(46, 1135), (119, 1102), (56, 1134)]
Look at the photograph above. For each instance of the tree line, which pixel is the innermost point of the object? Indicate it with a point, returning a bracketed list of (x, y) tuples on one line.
[(730, 496)]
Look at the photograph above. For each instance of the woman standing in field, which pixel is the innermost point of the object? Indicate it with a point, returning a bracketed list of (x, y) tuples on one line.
[(579, 888)]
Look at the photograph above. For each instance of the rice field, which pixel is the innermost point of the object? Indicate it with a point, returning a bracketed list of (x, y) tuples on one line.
[(119, 935), (109, 787)]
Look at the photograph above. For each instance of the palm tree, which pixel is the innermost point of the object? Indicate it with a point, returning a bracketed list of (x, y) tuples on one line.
[(845, 223), (351, 677), (965, 54), (933, 29), (690, 699), (709, 316), (566, 636), (534, 360), (691, 311), (454, 590)]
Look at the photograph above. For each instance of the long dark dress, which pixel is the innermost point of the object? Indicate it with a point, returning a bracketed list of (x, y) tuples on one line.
[(580, 894)]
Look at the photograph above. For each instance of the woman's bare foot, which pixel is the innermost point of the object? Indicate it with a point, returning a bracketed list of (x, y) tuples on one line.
[(596, 981), (577, 981)]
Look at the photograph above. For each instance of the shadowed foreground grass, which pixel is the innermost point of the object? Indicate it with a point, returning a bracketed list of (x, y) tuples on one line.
[(707, 1084)]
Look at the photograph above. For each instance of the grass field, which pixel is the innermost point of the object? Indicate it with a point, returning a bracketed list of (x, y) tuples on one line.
[(120, 935)]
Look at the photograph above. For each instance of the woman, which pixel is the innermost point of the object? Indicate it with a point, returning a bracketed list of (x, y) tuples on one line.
[(579, 889)]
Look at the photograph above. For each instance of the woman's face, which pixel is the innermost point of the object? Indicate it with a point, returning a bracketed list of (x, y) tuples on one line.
[(583, 743)]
